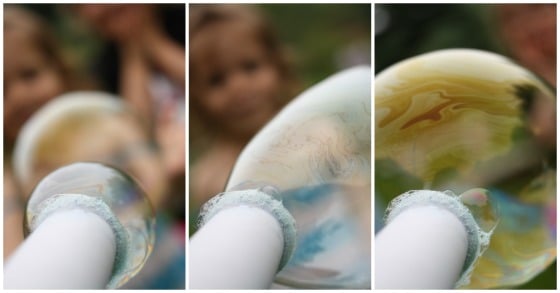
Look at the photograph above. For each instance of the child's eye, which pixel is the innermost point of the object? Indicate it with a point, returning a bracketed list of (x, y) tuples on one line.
[(250, 65), (217, 79), (29, 74)]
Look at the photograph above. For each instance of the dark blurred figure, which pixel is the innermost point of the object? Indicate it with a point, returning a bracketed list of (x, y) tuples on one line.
[(144, 62)]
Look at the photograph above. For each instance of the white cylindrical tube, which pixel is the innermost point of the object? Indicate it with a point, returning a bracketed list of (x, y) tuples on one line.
[(423, 247), (71, 249), (238, 248)]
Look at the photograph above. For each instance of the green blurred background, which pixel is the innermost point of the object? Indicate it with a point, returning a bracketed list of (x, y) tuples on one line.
[(404, 31), (324, 38), (525, 33)]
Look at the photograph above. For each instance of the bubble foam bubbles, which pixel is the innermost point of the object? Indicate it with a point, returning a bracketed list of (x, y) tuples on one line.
[(255, 198)]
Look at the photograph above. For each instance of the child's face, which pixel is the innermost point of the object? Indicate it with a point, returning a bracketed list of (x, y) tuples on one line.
[(30, 80), (235, 81)]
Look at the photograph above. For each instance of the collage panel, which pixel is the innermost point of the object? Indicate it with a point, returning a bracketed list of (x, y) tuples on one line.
[(280, 192), (94, 146), (280, 145), (465, 146)]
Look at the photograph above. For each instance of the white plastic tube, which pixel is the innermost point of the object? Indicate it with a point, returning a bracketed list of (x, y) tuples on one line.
[(423, 247), (238, 248), (72, 249)]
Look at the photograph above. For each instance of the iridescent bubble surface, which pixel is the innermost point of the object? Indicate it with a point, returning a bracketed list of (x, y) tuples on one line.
[(478, 201), (87, 126), (464, 119), (109, 193), (315, 157)]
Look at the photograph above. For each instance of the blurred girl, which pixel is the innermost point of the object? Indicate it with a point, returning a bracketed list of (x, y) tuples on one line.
[(35, 69)]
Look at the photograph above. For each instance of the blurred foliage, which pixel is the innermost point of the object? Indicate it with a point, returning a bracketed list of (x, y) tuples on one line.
[(406, 30), (319, 34)]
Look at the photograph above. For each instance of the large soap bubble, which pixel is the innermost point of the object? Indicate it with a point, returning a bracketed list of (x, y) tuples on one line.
[(87, 126), (462, 119), (314, 157)]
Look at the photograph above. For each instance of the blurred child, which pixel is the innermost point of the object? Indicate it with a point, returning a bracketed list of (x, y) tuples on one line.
[(35, 71), (239, 79)]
